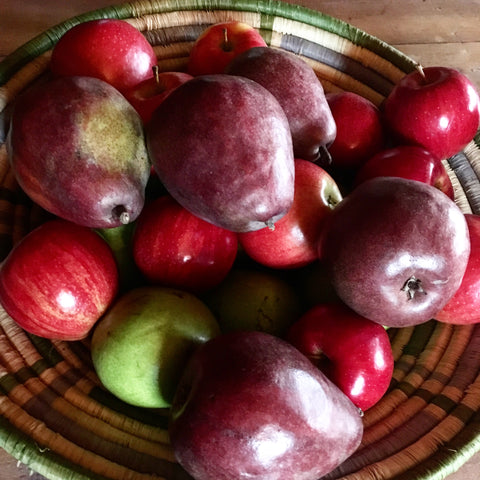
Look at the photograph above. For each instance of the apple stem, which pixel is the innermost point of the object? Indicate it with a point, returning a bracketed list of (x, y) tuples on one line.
[(420, 70), (227, 45), (156, 74), (412, 287), (121, 213)]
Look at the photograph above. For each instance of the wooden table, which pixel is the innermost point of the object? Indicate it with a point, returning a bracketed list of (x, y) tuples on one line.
[(433, 32)]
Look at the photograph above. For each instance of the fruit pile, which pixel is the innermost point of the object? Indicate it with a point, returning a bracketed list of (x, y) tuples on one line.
[(233, 240)]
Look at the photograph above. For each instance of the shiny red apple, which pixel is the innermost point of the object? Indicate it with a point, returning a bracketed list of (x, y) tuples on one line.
[(293, 241), (434, 107), (360, 130), (219, 43), (109, 49), (149, 94), (173, 247), (59, 280), (407, 161), (464, 307), (354, 352)]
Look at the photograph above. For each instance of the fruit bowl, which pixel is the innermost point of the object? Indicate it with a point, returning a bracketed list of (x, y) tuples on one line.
[(55, 415)]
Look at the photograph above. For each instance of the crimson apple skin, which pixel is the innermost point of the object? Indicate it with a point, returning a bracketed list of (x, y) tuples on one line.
[(146, 96), (250, 405), (464, 307), (407, 161), (219, 44), (396, 250), (360, 130), (436, 108), (354, 352), (59, 280), (175, 248), (109, 49), (293, 241)]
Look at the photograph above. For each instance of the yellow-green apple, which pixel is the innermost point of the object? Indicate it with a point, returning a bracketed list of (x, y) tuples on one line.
[(407, 161), (175, 248), (464, 307), (354, 352), (252, 299), (59, 280), (294, 83), (149, 94), (293, 241), (78, 150), (219, 43), (397, 250), (141, 345), (434, 107), (360, 130), (237, 174), (250, 405), (109, 49)]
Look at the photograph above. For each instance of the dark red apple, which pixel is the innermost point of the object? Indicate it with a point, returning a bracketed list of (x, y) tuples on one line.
[(219, 43), (250, 405), (407, 161), (397, 250), (360, 129), (149, 94), (464, 307), (293, 241), (434, 107), (173, 247), (354, 352), (109, 49), (59, 280)]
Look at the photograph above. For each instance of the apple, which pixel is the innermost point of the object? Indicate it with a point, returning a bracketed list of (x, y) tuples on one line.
[(109, 49), (219, 43), (173, 247), (464, 307), (354, 352), (250, 405), (59, 280), (407, 161), (142, 344), (360, 129), (293, 241), (434, 107), (396, 250), (251, 299), (149, 94)]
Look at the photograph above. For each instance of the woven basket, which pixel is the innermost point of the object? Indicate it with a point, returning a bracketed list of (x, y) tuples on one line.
[(55, 416)]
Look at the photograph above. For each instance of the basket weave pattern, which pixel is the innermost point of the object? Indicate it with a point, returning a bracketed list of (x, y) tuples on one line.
[(54, 414)]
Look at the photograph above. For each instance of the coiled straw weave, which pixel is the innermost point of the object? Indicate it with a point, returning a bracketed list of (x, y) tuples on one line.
[(54, 414)]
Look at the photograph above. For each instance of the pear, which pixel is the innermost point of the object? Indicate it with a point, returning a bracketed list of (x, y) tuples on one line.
[(222, 147), (77, 149), (299, 91)]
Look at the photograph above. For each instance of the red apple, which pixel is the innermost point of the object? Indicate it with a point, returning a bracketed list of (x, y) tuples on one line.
[(464, 307), (218, 44), (149, 94), (354, 352), (434, 107), (174, 248), (360, 130), (109, 49), (59, 280), (407, 161), (293, 241)]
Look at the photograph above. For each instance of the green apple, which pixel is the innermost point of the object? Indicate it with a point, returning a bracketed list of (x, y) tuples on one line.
[(140, 347), (250, 299)]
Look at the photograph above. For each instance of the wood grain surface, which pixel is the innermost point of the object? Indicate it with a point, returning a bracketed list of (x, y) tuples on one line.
[(432, 32)]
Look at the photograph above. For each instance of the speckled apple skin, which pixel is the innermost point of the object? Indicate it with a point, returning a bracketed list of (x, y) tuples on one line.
[(251, 406)]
